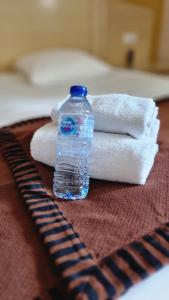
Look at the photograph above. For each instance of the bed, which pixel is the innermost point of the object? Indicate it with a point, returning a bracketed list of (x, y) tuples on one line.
[(22, 101)]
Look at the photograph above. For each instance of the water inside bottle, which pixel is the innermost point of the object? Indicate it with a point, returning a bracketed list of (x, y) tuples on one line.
[(75, 133)]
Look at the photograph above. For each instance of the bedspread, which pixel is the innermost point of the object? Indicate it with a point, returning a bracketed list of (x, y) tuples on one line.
[(98, 247)]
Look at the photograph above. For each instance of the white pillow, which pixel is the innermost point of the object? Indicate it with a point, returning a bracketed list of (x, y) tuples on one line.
[(61, 64)]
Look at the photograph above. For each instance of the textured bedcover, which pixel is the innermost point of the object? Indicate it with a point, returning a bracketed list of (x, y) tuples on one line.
[(126, 235)]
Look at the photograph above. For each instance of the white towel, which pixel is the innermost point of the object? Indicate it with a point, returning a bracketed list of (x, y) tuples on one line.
[(120, 113), (113, 157)]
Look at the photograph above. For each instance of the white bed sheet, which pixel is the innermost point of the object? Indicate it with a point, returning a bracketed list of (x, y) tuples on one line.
[(20, 101)]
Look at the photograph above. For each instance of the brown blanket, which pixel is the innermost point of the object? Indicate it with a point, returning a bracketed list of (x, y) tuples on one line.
[(124, 234)]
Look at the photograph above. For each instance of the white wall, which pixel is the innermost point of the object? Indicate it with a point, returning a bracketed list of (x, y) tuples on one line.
[(163, 55)]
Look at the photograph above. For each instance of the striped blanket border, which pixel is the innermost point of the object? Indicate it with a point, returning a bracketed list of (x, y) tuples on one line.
[(81, 276)]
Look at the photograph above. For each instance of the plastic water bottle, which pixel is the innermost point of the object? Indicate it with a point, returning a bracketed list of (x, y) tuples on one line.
[(75, 133)]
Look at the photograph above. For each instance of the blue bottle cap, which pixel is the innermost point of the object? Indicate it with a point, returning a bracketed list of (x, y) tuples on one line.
[(78, 91)]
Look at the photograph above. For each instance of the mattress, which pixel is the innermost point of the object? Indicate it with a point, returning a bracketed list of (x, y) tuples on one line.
[(20, 100)]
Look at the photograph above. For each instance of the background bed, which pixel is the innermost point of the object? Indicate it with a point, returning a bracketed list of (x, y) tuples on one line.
[(20, 100)]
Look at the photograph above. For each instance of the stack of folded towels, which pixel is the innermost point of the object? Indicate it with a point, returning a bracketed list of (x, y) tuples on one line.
[(125, 138)]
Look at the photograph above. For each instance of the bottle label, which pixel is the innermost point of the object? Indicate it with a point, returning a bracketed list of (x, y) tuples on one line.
[(76, 125)]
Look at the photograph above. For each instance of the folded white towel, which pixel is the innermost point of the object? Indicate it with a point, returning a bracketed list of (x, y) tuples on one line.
[(120, 113), (113, 157)]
